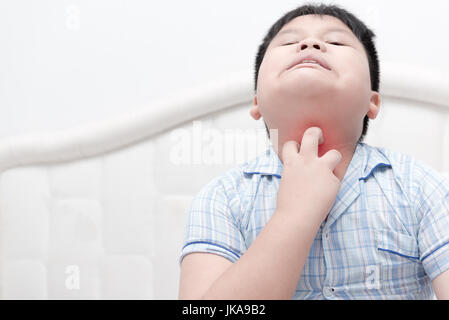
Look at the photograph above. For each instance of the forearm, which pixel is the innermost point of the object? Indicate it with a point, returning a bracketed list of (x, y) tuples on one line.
[(272, 266)]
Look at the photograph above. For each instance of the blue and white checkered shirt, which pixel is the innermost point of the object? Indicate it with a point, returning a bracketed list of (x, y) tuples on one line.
[(386, 237)]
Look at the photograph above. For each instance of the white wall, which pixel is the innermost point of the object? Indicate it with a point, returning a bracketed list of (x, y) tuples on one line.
[(68, 62)]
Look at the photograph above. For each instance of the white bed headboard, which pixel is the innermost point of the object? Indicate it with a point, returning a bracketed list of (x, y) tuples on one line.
[(98, 211)]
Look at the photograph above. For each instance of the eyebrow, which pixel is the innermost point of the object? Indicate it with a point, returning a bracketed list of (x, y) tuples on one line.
[(295, 31)]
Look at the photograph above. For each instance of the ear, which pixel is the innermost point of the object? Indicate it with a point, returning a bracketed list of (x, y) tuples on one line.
[(254, 112), (374, 106)]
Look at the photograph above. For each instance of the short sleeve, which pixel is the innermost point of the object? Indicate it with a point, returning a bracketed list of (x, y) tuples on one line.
[(433, 234), (211, 226)]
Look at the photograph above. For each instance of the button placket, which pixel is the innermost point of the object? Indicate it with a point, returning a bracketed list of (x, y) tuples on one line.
[(328, 291)]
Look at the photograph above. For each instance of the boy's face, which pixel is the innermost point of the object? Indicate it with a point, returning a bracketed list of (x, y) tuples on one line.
[(335, 97)]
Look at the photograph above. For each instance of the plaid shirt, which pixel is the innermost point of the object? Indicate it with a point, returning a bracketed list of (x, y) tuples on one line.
[(386, 236)]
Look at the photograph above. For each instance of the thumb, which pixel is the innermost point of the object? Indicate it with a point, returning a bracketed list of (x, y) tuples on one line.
[(332, 158)]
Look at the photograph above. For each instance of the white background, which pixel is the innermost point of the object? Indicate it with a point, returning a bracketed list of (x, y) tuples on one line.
[(64, 63)]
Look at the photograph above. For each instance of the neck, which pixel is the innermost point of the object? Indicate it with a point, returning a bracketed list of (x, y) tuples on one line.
[(346, 148)]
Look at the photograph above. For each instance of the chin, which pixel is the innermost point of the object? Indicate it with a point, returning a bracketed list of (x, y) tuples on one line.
[(309, 89)]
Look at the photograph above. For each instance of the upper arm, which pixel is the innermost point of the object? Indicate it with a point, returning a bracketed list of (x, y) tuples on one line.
[(213, 240), (198, 272), (441, 286), (432, 207)]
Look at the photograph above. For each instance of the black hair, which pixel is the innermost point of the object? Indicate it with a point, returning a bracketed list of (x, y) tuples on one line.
[(361, 31)]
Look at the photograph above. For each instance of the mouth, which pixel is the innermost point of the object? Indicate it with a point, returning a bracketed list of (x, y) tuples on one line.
[(307, 65), (309, 61)]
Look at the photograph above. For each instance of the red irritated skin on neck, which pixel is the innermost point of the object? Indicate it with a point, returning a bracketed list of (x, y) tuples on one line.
[(335, 99), (330, 141)]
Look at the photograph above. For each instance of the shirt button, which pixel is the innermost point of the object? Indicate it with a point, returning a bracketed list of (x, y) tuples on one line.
[(327, 235), (328, 291)]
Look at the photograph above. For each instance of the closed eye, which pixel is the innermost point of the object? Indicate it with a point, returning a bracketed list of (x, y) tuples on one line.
[(333, 43), (336, 43)]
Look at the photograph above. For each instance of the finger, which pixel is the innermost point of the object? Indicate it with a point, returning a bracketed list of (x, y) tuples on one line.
[(332, 158), (289, 149), (310, 140)]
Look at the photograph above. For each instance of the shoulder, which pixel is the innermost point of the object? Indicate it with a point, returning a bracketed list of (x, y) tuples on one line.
[(416, 177), (234, 182), (412, 170)]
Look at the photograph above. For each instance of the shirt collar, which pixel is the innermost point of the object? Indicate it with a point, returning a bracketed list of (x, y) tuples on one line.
[(365, 160), (265, 164), (373, 158)]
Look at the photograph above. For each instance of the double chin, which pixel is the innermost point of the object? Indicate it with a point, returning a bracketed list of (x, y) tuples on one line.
[(293, 120)]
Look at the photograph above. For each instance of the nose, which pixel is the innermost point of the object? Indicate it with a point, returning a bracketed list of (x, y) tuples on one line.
[(311, 43)]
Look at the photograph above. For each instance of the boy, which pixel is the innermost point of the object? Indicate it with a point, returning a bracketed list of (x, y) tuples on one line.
[(325, 216)]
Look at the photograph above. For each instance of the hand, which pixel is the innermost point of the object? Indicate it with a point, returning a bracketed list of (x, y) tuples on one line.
[(308, 187)]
